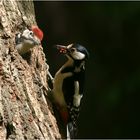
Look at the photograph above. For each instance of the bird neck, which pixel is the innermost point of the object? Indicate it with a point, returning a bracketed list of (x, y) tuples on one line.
[(68, 64), (73, 66), (79, 65)]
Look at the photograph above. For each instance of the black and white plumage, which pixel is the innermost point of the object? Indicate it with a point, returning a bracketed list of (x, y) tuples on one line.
[(68, 85), (26, 40)]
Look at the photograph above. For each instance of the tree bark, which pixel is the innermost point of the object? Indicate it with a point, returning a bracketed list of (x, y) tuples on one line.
[(25, 112)]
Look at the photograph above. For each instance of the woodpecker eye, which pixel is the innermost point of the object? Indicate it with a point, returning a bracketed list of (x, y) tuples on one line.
[(72, 50), (31, 33)]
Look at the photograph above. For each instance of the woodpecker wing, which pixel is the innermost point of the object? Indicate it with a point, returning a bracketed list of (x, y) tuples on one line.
[(73, 92)]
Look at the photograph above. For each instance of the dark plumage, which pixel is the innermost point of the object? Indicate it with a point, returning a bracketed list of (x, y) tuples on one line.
[(72, 85)]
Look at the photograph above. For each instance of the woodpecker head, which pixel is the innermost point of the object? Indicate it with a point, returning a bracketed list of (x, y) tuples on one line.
[(37, 32), (74, 51), (30, 37), (27, 39)]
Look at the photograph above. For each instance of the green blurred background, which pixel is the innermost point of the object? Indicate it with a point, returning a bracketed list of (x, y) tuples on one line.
[(111, 33)]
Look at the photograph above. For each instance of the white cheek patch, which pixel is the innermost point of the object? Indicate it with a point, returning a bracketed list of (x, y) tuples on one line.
[(78, 55), (26, 33), (30, 38)]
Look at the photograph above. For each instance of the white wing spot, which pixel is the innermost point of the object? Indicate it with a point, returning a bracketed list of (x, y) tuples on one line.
[(77, 97)]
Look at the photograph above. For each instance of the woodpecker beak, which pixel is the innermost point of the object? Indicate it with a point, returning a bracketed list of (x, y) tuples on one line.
[(37, 42), (62, 49)]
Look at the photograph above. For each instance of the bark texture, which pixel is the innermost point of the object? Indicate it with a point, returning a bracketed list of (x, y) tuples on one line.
[(25, 112)]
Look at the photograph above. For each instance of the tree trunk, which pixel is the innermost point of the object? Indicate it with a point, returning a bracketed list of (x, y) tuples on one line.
[(25, 112)]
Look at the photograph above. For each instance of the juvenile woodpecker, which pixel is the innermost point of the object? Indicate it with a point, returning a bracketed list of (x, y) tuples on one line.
[(28, 39), (68, 86)]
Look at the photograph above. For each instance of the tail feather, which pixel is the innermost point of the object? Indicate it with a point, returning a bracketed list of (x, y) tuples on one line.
[(71, 131)]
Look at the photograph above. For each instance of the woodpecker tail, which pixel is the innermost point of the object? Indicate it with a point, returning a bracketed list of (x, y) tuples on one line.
[(71, 131)]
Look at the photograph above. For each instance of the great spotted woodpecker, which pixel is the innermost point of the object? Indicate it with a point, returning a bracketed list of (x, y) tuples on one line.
[(68, 86), (28, 39)]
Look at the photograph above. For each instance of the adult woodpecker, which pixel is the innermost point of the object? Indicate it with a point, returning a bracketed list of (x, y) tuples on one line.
[(28, 39), (68, 86)]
